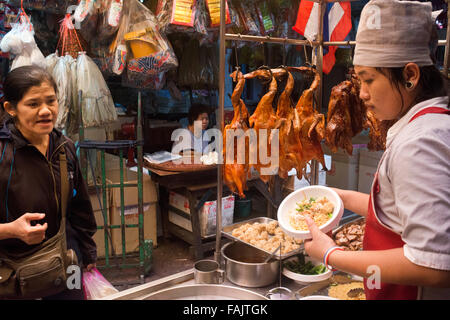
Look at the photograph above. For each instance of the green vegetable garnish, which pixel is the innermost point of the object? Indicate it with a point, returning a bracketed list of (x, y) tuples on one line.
[(308, 268)]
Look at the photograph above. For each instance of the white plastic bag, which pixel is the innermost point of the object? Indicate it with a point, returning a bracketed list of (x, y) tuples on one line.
[(50, 62), (62, 76), (97, 105), (96, 286), (20, 42)]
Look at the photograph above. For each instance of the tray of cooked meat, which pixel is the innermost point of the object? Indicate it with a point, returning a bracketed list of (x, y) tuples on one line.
[(264, 234), (350, 235)]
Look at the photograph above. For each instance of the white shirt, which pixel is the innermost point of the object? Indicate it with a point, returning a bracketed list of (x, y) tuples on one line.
[(414, 198)]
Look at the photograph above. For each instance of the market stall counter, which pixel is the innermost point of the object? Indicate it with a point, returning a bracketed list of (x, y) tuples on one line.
[(189, 284), (182, 286)]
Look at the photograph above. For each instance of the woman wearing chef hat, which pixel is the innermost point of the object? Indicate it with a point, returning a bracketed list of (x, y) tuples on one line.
[(407, 236)]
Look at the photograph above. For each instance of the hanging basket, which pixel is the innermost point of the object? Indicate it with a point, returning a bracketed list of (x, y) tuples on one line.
[(70, 41)]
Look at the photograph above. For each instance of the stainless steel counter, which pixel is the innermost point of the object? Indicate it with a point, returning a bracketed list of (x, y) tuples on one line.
[(143, 291)]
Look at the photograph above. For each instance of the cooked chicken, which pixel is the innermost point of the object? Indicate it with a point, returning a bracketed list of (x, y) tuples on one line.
[(310, 125), (235, 173)]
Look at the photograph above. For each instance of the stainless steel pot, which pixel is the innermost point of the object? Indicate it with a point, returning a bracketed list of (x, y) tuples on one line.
[(245, 266)]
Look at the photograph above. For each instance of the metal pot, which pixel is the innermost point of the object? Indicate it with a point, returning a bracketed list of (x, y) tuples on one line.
[(245, 266)]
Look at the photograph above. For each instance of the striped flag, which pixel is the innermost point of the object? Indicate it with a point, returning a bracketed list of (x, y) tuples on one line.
[(337, 24)]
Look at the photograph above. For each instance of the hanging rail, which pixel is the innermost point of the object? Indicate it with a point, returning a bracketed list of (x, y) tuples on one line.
[(269, 39)]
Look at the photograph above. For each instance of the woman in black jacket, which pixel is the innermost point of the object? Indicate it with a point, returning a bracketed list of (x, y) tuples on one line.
[(30, 201)]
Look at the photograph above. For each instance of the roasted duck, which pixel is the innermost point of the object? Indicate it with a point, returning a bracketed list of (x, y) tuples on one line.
[(237, 170), (263, 118), (346, 115), (377, 132), (309, 124), (289, 141)]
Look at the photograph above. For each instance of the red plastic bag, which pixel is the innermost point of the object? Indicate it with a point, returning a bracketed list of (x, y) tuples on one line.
[(96, 286)]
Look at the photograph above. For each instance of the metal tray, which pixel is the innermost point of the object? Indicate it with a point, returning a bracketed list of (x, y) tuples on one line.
[(226, 231), (357, 220)]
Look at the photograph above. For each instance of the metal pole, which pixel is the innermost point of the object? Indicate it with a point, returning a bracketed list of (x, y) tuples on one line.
[(221, 124), (140, 186), (268, 39), (447, 43), (318, 60)]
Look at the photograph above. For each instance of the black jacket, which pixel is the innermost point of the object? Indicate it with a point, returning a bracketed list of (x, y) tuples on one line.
[(31, 183)]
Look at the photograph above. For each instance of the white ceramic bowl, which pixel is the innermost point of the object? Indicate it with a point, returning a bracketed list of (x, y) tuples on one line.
[(305, 279), (289, 204)]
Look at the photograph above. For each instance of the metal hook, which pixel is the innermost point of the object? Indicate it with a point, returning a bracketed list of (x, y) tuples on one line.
[(308, 61), (268, 69), (238, 68)]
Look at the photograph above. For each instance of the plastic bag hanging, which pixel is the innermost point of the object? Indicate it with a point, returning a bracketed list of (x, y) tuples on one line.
[(20, 42), (63, 78), (118, 49), (97, 105), (151, 52), (109, 21)]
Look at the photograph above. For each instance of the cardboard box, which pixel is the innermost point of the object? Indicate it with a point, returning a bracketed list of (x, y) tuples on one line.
[(368, 164), (179, 201), (207, 214), (150, 202)]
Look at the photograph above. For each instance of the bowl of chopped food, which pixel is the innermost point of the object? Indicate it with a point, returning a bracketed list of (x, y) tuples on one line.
[(304, 270), (321, 204)]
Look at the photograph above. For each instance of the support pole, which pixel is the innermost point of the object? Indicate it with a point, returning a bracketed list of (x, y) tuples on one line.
[(318, 61), (447, 43), (221, 126), (140, 157)]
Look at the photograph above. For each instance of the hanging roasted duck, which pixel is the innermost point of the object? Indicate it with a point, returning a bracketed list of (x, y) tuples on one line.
[(377, 132), (309, 124), (289, 141), (348, 116), (237, 170), (264, 118)]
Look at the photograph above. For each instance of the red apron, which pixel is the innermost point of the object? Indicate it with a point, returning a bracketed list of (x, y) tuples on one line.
[(378, 237)]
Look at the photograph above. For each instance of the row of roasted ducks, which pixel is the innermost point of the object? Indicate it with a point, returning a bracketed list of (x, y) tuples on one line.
[(300, 128)]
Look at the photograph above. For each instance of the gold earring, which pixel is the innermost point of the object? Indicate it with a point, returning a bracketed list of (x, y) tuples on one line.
[(409, 85)]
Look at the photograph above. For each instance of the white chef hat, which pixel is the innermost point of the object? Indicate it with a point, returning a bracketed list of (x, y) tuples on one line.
[(392, 33)]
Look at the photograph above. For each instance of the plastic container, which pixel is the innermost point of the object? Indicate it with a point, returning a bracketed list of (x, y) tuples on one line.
[(289, 205)]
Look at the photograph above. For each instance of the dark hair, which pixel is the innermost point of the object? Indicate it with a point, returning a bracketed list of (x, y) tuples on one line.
[(20, 80), (432, 82), (195, 111)]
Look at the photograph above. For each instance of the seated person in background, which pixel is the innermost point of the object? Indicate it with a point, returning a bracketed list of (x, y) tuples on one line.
[(194, 137)]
